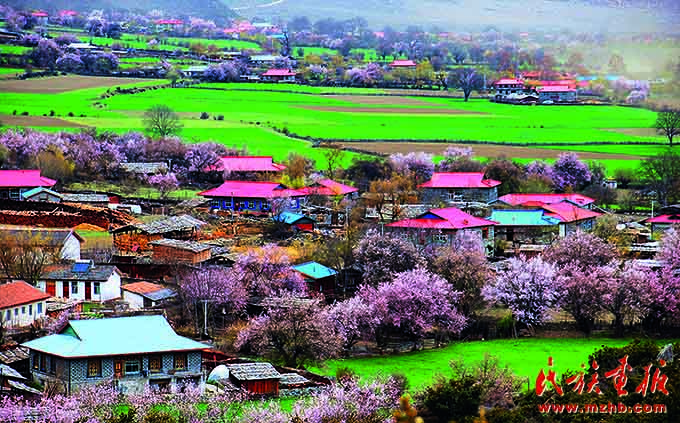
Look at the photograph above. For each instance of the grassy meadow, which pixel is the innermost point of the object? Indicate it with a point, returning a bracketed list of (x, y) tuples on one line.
[(255, 115)]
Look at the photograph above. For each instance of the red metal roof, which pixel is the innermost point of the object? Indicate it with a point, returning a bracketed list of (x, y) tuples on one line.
[(509, 81), (459, 180), (142, 287), (568, 212), (24, 179), (403, 64), (17, 293), (448, 218), (251, 189), (247, 164), (671, 219), (541, 199), (279, 72), (328, 187)]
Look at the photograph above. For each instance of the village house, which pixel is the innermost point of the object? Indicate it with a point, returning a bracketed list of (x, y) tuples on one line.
[(91, 199), (12, 383), (572, 218), (134, 352), (141, 168), (14, 183), (449, 187), (82, 280), (507, 86), (538, 200), (264, 60), (59, 244), (178, 251), (556, 94), (254, 197), (256, 378), (662, 223), (330, 188), (135, 238), (295, 221), (525, 226), (319, 278), (439, 227), (21, 304), (403, 64), (140, 295), (279, 75), (236, 166), (42, 194)]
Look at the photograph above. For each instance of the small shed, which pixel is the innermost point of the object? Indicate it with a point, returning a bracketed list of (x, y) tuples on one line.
[(178, 251), (145, 294), (257, 378), (136, 237), (295, 221), (319, 278), (43, 194)]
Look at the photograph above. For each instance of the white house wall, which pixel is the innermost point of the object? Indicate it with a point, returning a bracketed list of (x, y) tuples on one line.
[(135, 301), (107, 290), (20, 317), (71, 249)]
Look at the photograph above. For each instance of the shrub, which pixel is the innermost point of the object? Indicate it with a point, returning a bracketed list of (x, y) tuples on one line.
[(52, 113), (14, 113), (205, 115), (220, 117), (70, 114), (24, 113)]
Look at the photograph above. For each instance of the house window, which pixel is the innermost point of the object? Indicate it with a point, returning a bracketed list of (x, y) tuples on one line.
[(36, 360), (74, 287), (39, 308), (180, 362), (215, 204), (43, 362), (97, 288), (485, 233), (8, 315), (132, 366), (16, 312), (94, 368), (23, 309), (53, 365), (155, 364), (30, 309), (440, 238)]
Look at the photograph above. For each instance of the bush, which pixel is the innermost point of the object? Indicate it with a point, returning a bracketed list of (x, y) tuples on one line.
[(14, 113), (453, 399), (220, 117), (205, 115), (52, 113), (70, 114), (24, 113)]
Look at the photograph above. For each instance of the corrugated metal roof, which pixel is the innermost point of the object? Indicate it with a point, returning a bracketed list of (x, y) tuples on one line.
[(194, 247), (85, 198), (253, 371), (523, 218), (114, 336), (150, 290), (328, 187), (78, 272), (170, 224), (315, 270), (252, 189), (38, 190), (8, 372), (447, 218), (671, 219), (568, 212), (24, 178), (290, 218), (521, 199), (459, 180)]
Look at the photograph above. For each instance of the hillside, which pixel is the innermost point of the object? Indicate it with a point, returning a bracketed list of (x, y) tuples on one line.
[(523, 15), (209, 9)]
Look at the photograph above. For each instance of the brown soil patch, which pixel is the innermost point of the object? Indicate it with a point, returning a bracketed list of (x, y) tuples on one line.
[(393, 110), (88, 227), (637, 132), (381, 100), (60, 84), (481, 150), (11, 120)]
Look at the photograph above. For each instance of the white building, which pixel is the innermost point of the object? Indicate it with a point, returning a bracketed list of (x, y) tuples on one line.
[(21, 304), (82, 280), (141, 295), (60, 243)]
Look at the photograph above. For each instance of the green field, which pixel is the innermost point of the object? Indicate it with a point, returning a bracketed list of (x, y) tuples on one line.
[(10, 71), (18, 50), (255, 114), (319, 51), (221, 43), (525, 357)]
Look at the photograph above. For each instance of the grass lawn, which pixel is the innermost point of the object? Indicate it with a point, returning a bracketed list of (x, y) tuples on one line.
[(319, 51), (525, 357), (141, 192), (8, 49), (221, 43), (10, 71)]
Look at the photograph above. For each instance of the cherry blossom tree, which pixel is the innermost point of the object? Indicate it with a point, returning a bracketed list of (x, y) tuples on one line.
[(570, 173), (670, 249), (354, 319), (46, 53), (529, 288), (580, 249), (165, 183), (459, 159), (267, 272), (418, 165), (632, 295), (586, 292), (383, 256), (414, 303), (296, 331), (222, 72)]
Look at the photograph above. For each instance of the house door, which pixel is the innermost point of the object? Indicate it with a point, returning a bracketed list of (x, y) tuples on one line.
[(88, 290), (51, 289), (65, 290), (118, 368)]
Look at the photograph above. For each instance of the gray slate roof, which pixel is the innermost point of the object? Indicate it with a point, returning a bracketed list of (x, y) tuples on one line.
[(100, 272), (144, 168), (195, 247), (8, 372), (85, 198), (50, 237), (288, 379), (253, 371), (171, 224)]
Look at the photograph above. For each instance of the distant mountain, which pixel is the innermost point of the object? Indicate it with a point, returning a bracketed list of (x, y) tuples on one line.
[(208, 9), (453, 15)]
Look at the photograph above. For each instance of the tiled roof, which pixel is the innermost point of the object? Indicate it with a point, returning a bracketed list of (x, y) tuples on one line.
[(167, 225), (459, 180), (149, 290), (253, 371), (114, 336), (50, 237), (328, 187), (291, 218), (315, 270), (247, 164), (17, 293), (523, 218), (288, 379), (194, 247), (279, 72), (540, 199), (39, 190), (144, 168), (14, 354), (252, 189), (568, 212), (85, 198), (8, 372), (672, 219), (72, 272), (24, 179), (447, 218)]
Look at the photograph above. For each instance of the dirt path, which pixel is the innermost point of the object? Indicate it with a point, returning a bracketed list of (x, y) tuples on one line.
[(61, 84), (393, 110), (482, 150)]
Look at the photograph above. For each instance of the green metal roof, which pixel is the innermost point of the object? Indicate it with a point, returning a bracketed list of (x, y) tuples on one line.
[(315, 270), (522, 218), (114, 336)]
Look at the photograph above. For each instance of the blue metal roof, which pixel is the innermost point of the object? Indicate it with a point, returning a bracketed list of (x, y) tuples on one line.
[(523, 218), (289, 218), (114, 336), (315, 270)]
